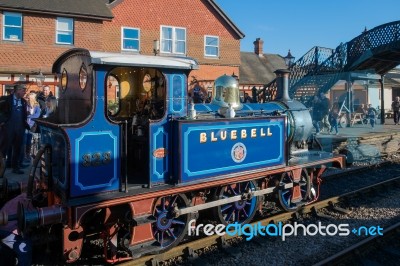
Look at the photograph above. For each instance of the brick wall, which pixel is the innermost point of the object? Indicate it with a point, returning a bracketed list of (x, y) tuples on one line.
[(38, 49), (199, 19), (212, 72)]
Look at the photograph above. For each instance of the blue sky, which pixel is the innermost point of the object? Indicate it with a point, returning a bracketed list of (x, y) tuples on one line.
[(300, 25)]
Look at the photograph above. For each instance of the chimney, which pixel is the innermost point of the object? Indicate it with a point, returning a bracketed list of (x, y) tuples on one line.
[(258, 46), (282, 78)]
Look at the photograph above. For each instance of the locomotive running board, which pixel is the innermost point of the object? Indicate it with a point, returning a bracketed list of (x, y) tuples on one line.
[(215, 203)]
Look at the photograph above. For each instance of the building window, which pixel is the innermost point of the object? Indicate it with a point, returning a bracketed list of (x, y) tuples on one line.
[(65, 31), (12, 26), (211, 46), (173, 40), (130, 39)]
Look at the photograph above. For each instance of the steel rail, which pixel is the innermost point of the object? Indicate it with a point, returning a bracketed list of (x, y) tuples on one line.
[(342, 255)]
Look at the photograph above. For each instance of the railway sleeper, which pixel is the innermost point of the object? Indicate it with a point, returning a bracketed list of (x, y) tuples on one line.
[(339, 209), (228, 248), (190, 254), (318, 214), (295, 216), (222, 243), (149, 247), (154, 262)]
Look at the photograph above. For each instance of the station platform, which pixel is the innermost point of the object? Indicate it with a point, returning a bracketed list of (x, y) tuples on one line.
[(359, 130), (360, 142)]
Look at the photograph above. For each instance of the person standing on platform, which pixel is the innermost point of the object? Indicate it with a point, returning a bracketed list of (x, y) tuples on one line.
[(13, 125), (371, 114), (316, 113), (333, 119), (247, 98), (325, 107), (361, 109), (51, 106), (396, 109), (34, 111), (42, 97)]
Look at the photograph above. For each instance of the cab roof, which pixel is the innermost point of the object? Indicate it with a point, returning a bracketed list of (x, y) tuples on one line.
[(122, 59)]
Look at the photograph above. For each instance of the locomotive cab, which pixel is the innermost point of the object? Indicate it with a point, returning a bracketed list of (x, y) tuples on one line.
[(136, 97)]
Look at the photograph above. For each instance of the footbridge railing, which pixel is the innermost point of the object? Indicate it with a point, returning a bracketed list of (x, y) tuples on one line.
[(376, 51)]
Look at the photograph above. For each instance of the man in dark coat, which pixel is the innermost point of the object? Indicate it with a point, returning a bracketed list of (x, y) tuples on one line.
[(42, 97), (13, 123), (316, 113), (396, 109), (325, 106)]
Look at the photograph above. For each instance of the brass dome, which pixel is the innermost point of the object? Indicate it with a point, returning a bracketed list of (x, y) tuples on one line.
[(226, 92)]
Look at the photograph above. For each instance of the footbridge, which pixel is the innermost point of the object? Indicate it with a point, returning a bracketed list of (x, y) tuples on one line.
[(374, 52)]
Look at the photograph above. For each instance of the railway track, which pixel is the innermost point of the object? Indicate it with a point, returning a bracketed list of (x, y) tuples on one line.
[(189, 250), (365, 251)]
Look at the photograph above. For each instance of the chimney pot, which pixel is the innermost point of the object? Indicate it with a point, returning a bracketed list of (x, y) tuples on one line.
[(258, 47)]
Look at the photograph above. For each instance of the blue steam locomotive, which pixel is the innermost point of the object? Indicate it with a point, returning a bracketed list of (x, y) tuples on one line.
[(129, 157)]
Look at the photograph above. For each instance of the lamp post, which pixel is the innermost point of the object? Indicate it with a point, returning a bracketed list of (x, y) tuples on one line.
[(156, 47), (40, 78), (289, 59)]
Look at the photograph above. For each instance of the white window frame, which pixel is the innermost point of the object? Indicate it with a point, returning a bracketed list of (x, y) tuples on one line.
[(12, 26), (59, 31), (123, 38), (205, 46), (173, 40)]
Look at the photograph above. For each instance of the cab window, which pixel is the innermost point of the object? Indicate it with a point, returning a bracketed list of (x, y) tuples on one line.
[(135, 91)]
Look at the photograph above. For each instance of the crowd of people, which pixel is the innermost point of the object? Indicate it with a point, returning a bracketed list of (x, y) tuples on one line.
[(18, 112), (369, 114), (326, 116)]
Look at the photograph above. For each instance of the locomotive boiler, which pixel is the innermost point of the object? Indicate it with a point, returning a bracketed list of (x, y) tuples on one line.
[(128, 157)]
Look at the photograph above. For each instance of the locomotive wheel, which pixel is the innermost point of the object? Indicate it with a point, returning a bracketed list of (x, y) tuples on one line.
[(168, 231), (241, 211), (285, 195)]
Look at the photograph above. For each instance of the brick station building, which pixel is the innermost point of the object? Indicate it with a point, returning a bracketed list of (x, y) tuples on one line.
[(35, 33)]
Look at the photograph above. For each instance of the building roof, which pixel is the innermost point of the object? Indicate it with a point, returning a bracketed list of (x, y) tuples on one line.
[(256, 69), (93, 9), (226, 18), (393, 74), (392, 82)]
